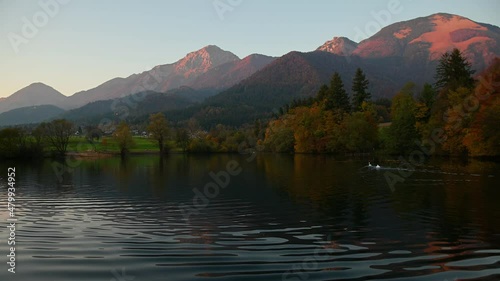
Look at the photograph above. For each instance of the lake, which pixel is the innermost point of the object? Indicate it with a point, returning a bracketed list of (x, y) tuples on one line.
[(238, 217)]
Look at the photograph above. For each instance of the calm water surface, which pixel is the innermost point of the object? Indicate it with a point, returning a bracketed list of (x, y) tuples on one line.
[(281, 218)]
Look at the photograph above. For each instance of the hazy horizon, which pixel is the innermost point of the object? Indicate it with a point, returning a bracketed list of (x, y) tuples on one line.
[(85, 43)]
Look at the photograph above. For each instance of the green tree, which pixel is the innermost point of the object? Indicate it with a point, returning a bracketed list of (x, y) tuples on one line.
[(279, 137), (337, 97), (427, 96), (322, 93), (38, 140), (57, 133), (182, 138), (454, 71), (359, 89), (382, 107), (402, 133), (123, 138), (425, 102), (158, 127), (12, 142), (360, 132)]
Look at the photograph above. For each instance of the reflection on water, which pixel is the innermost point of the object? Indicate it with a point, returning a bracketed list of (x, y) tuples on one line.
[(283, 218)]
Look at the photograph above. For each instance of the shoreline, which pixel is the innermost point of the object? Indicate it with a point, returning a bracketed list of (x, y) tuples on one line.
[(387, 157)]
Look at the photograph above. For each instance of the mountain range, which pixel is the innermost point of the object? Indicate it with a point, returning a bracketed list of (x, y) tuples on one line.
[(399, 53), (210, 69), (229, 88)]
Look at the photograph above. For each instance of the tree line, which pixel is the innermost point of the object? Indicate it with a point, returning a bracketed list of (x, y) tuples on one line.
[(464, 110), (332, 122), (456, 116), (53, 138)]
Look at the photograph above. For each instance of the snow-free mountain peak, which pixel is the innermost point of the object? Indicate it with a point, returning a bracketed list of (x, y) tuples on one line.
[(427, 38), (34, 94), (201, 61), (339, 45)]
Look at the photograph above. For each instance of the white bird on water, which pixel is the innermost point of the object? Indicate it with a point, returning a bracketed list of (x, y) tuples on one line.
[(378, 166), (369, 164)]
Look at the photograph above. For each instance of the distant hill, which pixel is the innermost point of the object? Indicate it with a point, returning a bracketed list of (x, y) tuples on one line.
[(32, 95), (137, 105), (29, 115)]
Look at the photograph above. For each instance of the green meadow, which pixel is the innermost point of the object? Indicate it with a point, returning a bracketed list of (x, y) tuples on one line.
[(109, 145)]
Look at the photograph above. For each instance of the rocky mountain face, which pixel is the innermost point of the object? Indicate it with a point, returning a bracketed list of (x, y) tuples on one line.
[(426, 39), (339, 46), (161, 78), (229, 74)]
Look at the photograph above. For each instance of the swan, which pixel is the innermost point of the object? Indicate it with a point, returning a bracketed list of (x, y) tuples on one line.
[(369, 164), (378, 166)]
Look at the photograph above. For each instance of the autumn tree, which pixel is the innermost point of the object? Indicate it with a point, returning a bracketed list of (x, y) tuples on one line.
[(306, 124), (454, 84), (158, 127), (359, 90), (482, 138), (123, 138)]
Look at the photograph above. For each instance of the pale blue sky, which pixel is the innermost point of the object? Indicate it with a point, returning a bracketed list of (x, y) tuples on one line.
[(87, 42)]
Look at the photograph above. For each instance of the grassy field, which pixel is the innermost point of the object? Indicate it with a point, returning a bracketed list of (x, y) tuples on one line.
[(107, 144)]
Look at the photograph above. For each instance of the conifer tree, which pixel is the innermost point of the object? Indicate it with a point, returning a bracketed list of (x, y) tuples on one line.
[(337, 98), (359, 90), (454, 71), (322, 93)]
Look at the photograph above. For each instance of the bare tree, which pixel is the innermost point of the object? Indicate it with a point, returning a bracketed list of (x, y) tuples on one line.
[(57, 134)]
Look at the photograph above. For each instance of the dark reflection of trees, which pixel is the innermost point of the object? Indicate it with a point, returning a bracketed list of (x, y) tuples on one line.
[(125, 172), (448, 200), (159, 175), (457, 197), (320, 182)]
